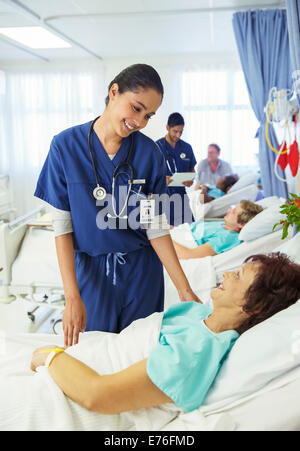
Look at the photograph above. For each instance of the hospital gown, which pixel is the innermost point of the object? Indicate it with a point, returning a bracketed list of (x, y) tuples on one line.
[(214, 233)]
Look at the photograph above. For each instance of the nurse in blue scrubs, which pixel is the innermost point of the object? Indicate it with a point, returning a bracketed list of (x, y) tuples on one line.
[(111, 265), (179, 157)]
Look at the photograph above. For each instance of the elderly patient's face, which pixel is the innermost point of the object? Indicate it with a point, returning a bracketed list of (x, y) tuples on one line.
[(231, 292)]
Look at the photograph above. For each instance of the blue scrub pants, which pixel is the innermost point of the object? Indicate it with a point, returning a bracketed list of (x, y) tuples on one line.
[(118, 291)]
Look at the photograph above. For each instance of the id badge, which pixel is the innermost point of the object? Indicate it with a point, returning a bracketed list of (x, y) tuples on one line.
[(147, 211)]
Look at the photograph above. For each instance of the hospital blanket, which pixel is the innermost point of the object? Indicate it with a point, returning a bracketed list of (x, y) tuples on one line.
[(32, 401)]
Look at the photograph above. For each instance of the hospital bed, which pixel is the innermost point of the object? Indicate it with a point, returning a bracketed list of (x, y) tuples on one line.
[(30, 270), (244, 189), (257, 388), (6, 207)]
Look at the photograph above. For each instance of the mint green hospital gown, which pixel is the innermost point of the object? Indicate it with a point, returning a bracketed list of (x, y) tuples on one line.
[(215, 234), (188, 355)]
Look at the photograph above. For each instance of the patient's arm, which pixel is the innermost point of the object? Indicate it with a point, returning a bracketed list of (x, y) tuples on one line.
[(126, 390), (185, 253)]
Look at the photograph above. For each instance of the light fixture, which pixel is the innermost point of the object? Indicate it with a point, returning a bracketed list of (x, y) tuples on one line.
[(34, 37)]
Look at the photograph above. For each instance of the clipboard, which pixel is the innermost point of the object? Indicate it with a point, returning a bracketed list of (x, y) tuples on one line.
[(179, 177)]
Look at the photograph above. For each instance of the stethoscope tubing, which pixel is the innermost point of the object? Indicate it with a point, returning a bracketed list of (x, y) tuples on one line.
[(115, 173)]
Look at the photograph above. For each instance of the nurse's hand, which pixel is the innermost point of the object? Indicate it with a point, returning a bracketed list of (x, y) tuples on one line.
[(188, 295), (188, 183), (74, 321)]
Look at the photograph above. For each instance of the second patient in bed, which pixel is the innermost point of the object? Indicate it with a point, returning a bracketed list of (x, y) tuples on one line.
[(211, 192), (216, 237)]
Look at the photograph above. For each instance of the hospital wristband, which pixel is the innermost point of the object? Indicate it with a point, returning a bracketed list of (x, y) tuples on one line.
[(51, 356)]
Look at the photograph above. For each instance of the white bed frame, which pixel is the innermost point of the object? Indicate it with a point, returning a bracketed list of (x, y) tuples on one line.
[(11, 238), (6, 207), (218, 208)]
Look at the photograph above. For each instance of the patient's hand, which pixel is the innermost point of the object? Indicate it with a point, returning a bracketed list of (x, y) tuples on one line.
[(40, 355)]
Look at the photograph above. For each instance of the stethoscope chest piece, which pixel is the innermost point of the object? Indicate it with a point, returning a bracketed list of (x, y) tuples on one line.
[(99, 193)]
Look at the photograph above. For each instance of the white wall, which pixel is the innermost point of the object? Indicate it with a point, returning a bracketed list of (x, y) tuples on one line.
[(170, 69)]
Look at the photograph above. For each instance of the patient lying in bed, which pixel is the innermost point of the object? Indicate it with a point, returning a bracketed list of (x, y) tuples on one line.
[(218, 236), (149, 373), (211, 192)]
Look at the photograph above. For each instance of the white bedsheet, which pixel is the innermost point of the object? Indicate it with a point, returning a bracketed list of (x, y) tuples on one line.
[(36, 263), (32, 401), (218, 207)]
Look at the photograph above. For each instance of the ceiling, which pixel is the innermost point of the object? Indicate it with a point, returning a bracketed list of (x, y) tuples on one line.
[(104, 29)]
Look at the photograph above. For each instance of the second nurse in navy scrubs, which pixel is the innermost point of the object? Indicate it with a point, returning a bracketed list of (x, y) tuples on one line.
[(179, 157), (111, 275)]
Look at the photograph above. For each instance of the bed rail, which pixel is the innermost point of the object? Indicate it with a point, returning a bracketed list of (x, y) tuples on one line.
[(11, 236)]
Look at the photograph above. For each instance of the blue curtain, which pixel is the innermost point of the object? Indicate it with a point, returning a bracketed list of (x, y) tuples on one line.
[(293, 20), (263, 45)]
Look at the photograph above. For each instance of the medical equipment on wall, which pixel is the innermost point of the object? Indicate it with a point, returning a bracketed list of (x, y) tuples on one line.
[(282, 106), (99, 192)]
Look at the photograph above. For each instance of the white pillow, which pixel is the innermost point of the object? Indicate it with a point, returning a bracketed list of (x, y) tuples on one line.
[(270, 201), (264, 352), (199, 210), (245, 180), (291, 248), (262, 224)]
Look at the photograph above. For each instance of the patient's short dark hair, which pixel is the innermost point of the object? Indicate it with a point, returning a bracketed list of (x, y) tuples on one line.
[(229, 180), (276, 286)]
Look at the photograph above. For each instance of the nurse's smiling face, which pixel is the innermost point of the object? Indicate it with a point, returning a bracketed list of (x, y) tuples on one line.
[(131, 110)]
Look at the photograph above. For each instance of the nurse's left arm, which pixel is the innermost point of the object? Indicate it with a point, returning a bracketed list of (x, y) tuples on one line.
[(165, 250)]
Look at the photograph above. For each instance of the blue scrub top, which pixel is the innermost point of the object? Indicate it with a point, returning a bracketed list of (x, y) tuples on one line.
[(181, 159), (182, 154), (67, 182), (188, 355), (215, 234)]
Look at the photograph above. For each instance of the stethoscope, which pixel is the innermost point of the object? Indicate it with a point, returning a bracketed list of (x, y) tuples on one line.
[(99, 192), (182, 156)]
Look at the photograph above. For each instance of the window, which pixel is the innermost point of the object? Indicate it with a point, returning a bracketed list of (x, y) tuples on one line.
[(45, 104), (217, 110)]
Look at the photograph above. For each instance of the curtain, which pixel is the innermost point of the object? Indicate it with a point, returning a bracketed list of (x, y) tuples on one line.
[(263, 46), (36, 105), (293, 20)]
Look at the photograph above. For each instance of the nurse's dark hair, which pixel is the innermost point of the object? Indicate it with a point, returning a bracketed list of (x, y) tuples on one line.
[(175, 119), (276, 286), (136, 77)]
